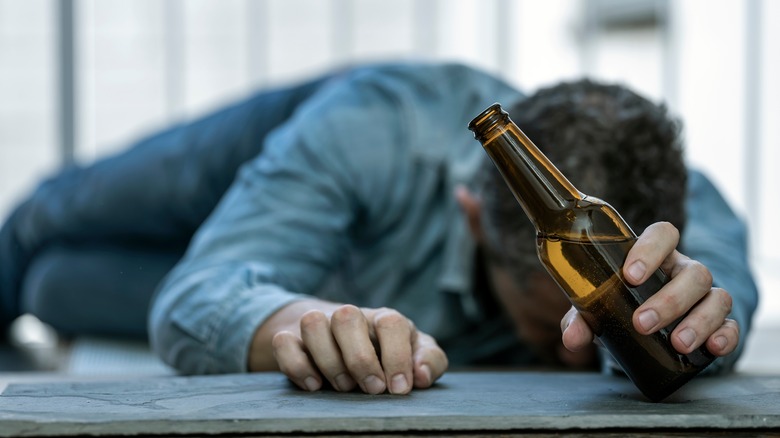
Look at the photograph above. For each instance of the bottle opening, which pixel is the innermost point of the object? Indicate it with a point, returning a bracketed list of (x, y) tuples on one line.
[(487, 120)]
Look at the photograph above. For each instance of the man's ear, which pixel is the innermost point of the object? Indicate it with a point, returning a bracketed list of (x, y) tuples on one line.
[(472, 208)]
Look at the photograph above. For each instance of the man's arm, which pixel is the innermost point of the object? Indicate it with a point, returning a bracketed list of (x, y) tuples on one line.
[(242, 298)]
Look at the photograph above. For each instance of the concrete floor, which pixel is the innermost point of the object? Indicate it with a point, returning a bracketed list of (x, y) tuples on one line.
[(476, 402)]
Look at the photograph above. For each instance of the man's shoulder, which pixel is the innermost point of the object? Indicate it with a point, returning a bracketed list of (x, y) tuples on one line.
[(407, 67), (426, 80), (427, 92), (409, 93), (422, 75)]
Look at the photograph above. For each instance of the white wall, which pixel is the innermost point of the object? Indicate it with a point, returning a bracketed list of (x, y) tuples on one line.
[(28, 146), (766, 240), (731, 131)]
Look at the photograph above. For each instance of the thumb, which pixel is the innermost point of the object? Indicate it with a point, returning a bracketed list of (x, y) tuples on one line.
[(576, 334)]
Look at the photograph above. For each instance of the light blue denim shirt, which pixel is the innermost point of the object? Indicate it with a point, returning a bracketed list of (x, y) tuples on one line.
[(351, 201)]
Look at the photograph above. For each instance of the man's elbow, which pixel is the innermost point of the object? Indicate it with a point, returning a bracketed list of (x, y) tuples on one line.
[(177, 348)]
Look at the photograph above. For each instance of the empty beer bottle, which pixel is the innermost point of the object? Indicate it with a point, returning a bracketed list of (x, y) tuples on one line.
[(583, 242)]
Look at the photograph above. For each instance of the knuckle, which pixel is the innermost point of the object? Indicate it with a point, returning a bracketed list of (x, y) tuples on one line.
[(362, 361), (698, 320), (390, 320), (312, 320), (381, 312), (725, 299), (293, 365), (344, 314), (438, 357), (669, 229), (701, 274), (281, 339), (431, 353), (668, 301), (675, 232), (664, 228)]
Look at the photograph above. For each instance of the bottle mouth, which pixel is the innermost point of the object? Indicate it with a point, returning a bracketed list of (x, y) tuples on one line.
[(487, 119)]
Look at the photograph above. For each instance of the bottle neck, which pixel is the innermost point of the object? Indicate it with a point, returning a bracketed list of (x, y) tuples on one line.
[(538, 185)]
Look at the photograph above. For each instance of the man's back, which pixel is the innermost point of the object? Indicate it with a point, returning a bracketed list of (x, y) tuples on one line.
[(350, 201)]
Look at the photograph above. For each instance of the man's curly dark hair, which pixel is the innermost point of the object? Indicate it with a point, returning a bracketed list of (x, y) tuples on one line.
[(610, 142)]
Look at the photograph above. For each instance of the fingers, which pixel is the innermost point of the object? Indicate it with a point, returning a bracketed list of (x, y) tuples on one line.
[(725, 339), (689, 294), (294, 362), (652, 249), (576, 334), (707, 323), (578, 348), (429, 359), (691, 281), (351, 331), (374, 349), (394, 333), (317, 337)]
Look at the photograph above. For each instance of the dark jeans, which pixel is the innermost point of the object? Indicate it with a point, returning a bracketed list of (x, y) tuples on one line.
[(86, 251)]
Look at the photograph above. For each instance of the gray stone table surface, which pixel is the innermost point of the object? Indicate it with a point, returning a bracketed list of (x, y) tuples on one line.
[(267, 403)]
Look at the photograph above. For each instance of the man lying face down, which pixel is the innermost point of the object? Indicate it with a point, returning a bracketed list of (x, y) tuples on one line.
[(350, 232)]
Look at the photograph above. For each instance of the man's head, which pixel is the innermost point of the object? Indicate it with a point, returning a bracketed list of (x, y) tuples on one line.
[(610, 143)]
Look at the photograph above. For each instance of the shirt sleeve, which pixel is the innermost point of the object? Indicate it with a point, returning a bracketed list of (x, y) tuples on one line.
[(281, 227), (716, 237)]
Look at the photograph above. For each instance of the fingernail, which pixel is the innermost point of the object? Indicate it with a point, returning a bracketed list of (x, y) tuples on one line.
[(648, 319), (373, 385), (425, 370), (687, 336), (568, 322), (311, 383), (344, 382), (398, 384), (637, 270), (721, 342)]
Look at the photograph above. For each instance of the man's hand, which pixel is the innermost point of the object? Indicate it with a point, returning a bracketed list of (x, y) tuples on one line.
[(373, 349), (690, 289)]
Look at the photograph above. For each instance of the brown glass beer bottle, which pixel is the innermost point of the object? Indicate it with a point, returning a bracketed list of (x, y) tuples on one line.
[(583, 242)]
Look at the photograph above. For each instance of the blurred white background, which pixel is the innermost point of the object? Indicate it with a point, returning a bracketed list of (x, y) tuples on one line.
[(80, 79)]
